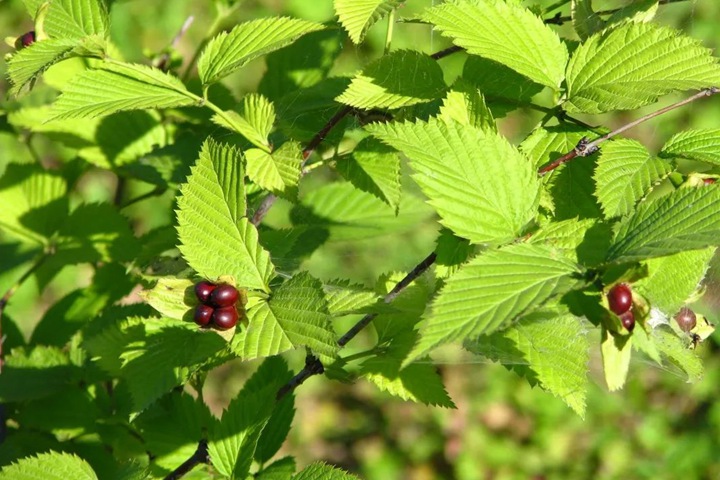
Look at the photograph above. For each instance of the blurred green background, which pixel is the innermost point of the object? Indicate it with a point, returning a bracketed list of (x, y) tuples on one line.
[(658, 427)]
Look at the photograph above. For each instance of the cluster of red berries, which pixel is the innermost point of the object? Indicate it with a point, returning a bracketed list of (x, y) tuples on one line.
[(217, 305), (620, 301)]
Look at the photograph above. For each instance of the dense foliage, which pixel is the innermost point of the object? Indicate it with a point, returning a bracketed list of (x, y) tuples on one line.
[(572, 240)]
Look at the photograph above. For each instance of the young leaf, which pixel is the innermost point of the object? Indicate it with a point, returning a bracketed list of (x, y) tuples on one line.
[(676, 350), (508, 34), (119, 87), (482, 187), (625, 173), (76, 19), (398, 79), (701, 145), (584, 20), (231, 50), (491, 290), (321, 471), (296, 316), (556, 349), (357, 16), (215, 237), (686, 219), (673, 278), (466, 105), (616, 352), (254, 122), (374, 168), (172, 297), (637, 11), (632, 65), (49, 466), (279, 171)]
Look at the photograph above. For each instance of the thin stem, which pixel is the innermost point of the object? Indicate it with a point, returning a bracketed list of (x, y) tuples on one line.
[(200, 456), (389, 33), (444, 53), (11, 291), (157, 191), (585, 148)]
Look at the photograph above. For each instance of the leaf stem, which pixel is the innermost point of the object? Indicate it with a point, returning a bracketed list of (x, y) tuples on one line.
[(389, 33), (200, 456)]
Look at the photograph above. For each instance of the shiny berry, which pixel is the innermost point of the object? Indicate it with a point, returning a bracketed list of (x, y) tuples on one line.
[(620, 298), (25, 40), (686, 319), (224, 296), (225, 317), (203, 290), (628, 320), (203, 315)]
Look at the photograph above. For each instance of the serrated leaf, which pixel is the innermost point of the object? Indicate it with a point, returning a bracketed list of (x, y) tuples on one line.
[(482, 187), (556, 349), (508, 34), (701, 145), (624, 175), (416, 382), (374, 168), (345, 298), (254, 121), (322, 471), (545, 145), (120, 87), (296, 316), (231, 50), (76, 19), (347, 213), (492, 290), (673, 278), (584, 241), (686, 219), (676, 350), (282, 469), (169, 352), (49, 466), (215, 237), (357, 16), (106, 345), (384, 82), (451, 252), (466, 105), (616, 352), (37, 373), (171, 296), (632, 65), (584, 20), (572, 190), (279, 171), (637, 11)]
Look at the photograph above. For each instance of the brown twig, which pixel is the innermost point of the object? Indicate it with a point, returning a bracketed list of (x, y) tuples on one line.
[(200, 456)]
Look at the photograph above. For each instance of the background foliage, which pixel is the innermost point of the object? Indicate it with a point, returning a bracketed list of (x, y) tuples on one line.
[(657, 427)]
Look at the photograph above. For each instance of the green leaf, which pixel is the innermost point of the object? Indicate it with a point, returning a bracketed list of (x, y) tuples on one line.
[(231, 50), (572, 190), (254, 121), (584, 241), (34, 202), (49, 466), (491, 290), (637, 11), (282, 469), (279, 171), (27, 64), (118, 87), (398, 79), (345, 298), (351, 214), (374, 168), (165, 357), (701, 145), (215, 237), (584, 20), (482, 187), (233, 439), (451, 252), (322, 471), (296, 316), (556, 349), (625, 173), (76, 19), (106, 346), (357, 16), (466, 105), (686, 219), (416, 382), (632, 65), (508, 34), (41, 372), (676, 350), (171, 296), (545, 145), (672, 279), (616, 352)]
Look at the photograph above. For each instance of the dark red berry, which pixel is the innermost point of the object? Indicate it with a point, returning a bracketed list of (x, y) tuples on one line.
[(628, 320), (203, 290), (25, 40), (686, 319), (225, 317), (203, 315), (224, 296), (620, 298), (708, 181)]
